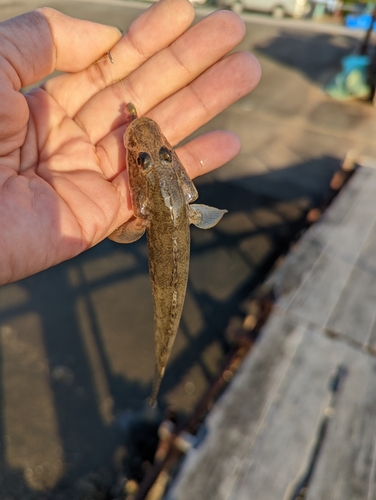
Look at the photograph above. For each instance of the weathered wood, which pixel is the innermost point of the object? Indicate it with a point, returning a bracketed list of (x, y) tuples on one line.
[(302, 258), (319, 293), (372, 341), (335, 245), (354, 318), (346, 466), (260, 437)]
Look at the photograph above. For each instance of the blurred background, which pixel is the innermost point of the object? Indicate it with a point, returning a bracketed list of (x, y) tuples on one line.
[(76, 341)]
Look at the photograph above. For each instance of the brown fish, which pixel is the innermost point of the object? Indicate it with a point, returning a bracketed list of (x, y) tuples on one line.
[(161, 194)]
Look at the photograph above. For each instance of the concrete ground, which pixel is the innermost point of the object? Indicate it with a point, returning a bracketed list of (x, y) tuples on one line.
[(76, 341)]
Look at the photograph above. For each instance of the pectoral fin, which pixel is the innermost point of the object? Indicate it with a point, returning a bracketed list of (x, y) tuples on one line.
[(204, 216), (129, 232)]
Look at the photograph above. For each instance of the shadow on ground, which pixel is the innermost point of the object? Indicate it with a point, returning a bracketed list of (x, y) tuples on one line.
[(317, 56)]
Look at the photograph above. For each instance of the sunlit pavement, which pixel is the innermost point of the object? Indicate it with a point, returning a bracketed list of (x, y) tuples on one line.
[(77, 340)]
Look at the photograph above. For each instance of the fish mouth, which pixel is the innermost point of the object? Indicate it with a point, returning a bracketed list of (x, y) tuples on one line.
[(142, 132)]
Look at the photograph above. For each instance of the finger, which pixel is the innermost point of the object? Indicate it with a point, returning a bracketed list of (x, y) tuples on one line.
[(37, 43), (215, 90), (163, 74), (208, 152), (151, 32), (199, 156), (187, 110)]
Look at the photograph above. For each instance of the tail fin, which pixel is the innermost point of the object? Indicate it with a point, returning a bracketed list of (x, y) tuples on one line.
[(156, 385)]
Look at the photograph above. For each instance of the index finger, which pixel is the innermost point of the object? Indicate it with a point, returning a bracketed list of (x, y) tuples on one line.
[(155, 29)]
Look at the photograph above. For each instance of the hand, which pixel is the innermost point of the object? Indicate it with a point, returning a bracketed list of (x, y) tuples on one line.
[(63, 182)]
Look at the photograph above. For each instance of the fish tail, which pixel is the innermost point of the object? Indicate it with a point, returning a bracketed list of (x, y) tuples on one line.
[(156, 385)]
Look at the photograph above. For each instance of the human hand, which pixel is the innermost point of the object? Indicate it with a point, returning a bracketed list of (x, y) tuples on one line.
[(63, 182)]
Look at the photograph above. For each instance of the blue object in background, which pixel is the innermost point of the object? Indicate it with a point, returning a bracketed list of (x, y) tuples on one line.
[(352, 81), (362, 18), (361, 22), (354, 61)]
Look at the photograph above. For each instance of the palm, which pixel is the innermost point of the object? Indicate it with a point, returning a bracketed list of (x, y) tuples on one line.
[(62, 200), (62, 161), (75, 183)]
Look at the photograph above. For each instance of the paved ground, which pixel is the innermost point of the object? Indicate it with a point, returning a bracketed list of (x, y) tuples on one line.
[(77, 353)]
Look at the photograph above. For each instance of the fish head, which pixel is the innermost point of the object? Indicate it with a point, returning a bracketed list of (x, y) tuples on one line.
[(148, 153)]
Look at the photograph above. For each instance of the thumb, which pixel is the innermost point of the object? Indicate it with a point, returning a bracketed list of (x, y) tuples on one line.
[(38, 42)]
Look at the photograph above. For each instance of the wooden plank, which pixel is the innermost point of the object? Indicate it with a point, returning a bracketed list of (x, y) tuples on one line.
[(348, 241), (366, 259), (302, 258), (346, 465), (257, 441), (372, 340), (354, 314), (317, 295)]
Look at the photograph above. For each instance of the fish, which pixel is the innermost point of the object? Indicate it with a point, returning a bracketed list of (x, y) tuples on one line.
[(162, 194)]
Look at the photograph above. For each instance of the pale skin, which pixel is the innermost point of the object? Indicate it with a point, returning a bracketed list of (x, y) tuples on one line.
[(63, 179)]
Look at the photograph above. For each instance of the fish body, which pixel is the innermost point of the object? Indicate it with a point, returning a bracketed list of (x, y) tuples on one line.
[(161, 194)]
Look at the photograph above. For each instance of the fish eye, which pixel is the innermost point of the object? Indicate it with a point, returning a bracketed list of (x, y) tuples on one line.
[(144, 161), (165, 155)]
